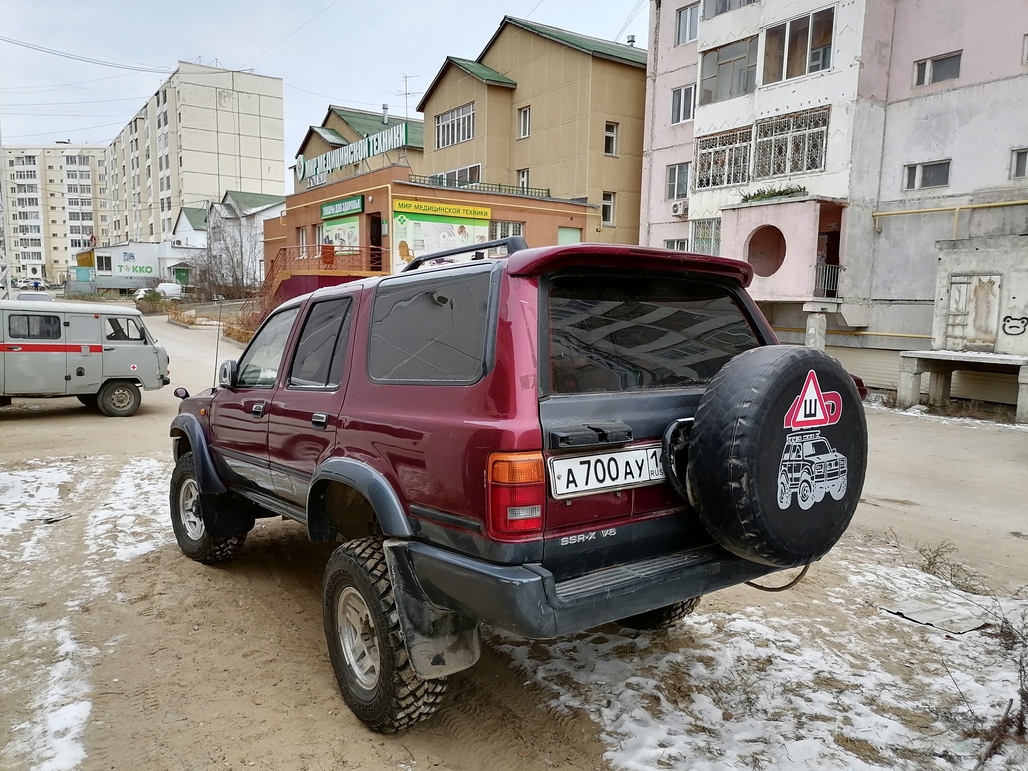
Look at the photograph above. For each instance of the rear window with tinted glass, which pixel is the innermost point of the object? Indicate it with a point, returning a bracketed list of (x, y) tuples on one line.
[(628, 333)]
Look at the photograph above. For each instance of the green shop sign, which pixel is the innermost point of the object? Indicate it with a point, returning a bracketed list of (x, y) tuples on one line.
[(315, 170), (342, 208)]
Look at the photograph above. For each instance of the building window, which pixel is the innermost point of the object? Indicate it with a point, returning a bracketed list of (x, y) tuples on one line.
[(706, 236), (923, 175), (498, 230), (723, 159), (712, 8), (681, 104), (607, 208), (455, 126), (103, 262), (688, 24), (1018, 166), (791, 144), (936, 70), (610, 138), (524, 122), (466, 175), (798, 47), (523, 179), (677, 181), (678, 244), (729, 71)]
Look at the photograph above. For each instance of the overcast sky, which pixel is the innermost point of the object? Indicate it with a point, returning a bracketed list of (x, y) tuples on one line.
[(340, 52)]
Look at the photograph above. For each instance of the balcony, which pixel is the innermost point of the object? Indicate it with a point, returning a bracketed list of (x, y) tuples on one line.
[(481, 187)]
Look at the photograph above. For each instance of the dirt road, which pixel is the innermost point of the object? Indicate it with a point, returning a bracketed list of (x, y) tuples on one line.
[(119, 653)]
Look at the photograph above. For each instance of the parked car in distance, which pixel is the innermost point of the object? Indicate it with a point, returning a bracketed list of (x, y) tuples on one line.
[(167, 290), (37, 296)]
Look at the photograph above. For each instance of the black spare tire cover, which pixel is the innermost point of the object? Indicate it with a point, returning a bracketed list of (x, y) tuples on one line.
[(777, 455)]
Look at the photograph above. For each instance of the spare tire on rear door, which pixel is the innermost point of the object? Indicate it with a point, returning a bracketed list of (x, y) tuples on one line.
[(777, 455)]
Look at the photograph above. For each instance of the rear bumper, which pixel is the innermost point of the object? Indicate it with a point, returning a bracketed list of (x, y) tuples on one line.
[(527, 600)]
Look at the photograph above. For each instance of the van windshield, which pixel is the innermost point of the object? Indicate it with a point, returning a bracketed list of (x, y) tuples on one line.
[(616, 332)]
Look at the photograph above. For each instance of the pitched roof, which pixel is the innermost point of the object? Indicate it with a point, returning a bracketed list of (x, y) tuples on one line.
[(605, 49), (195, 216), (367, 123), (486, 74), (330, 135), (247, 203)]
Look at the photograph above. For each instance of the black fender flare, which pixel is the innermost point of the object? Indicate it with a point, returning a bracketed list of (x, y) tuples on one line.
[(206, 475), (372, 484)]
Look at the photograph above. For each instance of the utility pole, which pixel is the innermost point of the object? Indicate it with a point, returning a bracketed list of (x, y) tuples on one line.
[(406, 93), (5, 266)]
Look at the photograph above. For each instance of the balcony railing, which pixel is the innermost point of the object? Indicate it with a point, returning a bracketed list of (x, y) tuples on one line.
[(332, 258), (481, 187), (826, 280)]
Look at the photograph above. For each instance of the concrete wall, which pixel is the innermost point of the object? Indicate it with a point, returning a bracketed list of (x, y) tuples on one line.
[(798, 222)]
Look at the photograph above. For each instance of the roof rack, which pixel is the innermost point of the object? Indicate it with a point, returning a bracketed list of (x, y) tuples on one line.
[(513, 244)]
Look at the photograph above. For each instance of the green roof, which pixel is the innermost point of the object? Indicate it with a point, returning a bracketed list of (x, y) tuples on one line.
[(330, 135), (196, 217), (245, 203), (606, 49), (486, 74), (367, 123)]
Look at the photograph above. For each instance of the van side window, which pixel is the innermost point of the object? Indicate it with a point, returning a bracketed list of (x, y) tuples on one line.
[(321, 352), (121, 328), (34, 327)]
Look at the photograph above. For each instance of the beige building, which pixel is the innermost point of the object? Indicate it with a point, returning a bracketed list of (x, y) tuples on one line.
[(206, 130), (52, 194), (547, 113)]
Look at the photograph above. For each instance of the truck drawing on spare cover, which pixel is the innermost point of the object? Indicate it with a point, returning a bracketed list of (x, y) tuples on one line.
[(810, 468)]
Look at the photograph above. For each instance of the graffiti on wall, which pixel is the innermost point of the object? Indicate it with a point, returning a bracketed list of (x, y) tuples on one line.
[(1015, 325)]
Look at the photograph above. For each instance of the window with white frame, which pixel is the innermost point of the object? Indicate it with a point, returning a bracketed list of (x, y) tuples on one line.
[(524, 122), (712, 8), (457, 125), (607, 208), (1017, 166), (465, 175), (681, 103), (723, 159), (922, 175), (706, 236), (728, 71), (610, 138), (498, 230), (798, 47), (677, 181), (928, 71), (678, 244), (26, 188), (523, 179), (687, 24), (791, 144)]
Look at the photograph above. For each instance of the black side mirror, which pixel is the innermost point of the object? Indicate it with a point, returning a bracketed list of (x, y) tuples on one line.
[(181, 393), (227, 374)]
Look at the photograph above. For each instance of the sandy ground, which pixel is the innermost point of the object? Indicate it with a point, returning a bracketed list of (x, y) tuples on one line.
[(116, 652)]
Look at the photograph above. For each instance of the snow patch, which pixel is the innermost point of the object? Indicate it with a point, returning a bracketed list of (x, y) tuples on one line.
[(134, 518)]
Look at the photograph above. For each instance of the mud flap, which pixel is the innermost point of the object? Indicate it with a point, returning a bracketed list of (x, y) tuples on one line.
[(439, 642)]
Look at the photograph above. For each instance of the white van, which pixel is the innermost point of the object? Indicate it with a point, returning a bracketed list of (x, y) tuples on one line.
[(169, 291), (101, 354)]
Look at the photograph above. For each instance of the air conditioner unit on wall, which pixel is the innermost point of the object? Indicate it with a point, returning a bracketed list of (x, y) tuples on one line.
[(680, 209), (178, 242)]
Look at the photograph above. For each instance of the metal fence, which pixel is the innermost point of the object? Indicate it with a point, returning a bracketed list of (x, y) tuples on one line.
[(481, 187), (826, 280)]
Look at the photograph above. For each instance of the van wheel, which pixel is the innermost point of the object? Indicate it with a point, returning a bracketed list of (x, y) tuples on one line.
[(661, 618), (365, 643), (88, 400), (119, 399), (190, 531)]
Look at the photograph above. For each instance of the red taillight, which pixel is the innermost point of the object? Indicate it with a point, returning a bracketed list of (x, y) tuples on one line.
[(517, 495)]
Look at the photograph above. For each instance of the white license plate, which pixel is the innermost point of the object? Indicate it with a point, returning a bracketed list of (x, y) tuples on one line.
[(619, 470)]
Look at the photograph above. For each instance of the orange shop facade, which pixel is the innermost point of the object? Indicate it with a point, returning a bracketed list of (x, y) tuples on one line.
[(376, 223)]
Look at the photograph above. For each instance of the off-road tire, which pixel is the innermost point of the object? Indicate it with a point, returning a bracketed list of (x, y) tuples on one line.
[(398, 698), (661, 618), (119, 399), (190, 532)]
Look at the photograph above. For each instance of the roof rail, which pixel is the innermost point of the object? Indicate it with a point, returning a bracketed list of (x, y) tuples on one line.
[(513, 244)]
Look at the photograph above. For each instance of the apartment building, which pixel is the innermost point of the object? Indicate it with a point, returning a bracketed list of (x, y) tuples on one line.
[(206, 130), (831, 145), (53, 194), (547, 113)]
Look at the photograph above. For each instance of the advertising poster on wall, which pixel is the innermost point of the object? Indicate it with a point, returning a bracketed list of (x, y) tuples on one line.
[(422, 228), (343, 234)]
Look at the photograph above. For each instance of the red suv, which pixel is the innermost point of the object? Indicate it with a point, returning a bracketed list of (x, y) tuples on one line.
[(543, 442)]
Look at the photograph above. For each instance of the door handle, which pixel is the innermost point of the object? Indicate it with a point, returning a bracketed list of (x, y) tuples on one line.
[(109, 348), (319, 420), (257, 410), (13, 348)]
